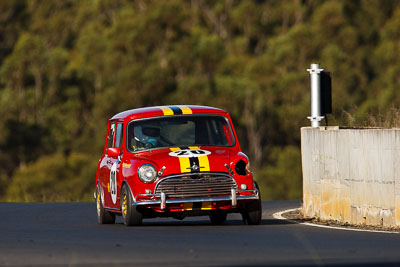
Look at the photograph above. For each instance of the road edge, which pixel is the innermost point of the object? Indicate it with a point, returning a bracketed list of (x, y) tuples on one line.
[(278, 216)]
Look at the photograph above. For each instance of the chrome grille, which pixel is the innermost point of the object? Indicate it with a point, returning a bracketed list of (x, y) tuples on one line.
[(196, 185)]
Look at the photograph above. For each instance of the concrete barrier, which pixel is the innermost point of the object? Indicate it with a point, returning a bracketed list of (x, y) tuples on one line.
[(351, 175)]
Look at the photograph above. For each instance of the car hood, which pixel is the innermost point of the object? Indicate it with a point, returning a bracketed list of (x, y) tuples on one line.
[(188, 159)]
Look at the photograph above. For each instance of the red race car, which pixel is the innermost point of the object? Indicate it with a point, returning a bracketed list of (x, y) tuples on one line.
[(174, 161)]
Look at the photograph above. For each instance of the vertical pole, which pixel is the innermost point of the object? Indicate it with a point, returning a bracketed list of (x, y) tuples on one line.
[(315, 76)]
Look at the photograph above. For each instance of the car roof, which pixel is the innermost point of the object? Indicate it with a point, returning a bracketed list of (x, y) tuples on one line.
[(171, 110)]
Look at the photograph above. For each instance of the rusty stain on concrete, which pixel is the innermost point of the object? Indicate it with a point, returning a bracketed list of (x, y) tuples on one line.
[(351, 175), (397, 219)]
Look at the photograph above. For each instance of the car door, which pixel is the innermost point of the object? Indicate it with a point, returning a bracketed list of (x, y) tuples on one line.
[(113, 164), (115, 161), (105, 166)]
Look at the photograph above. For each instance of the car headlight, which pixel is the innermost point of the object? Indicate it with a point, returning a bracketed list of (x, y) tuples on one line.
[(147, 173)]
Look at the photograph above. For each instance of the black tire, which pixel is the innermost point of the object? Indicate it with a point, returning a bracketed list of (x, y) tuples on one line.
[(218, 217), (103, 216), (252, 211), (130, 214)]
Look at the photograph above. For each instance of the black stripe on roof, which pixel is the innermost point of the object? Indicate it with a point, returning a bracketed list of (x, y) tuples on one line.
[(176, 110)]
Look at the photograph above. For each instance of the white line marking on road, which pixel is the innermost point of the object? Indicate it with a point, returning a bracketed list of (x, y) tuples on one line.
[(278, 215)]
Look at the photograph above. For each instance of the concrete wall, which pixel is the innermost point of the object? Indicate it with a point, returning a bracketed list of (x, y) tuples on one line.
[(351, 175)]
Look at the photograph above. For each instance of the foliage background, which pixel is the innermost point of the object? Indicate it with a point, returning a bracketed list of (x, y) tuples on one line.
[(68, 66)]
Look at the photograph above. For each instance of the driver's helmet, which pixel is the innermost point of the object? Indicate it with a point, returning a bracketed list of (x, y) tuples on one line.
[(153, 141), (150, 135)]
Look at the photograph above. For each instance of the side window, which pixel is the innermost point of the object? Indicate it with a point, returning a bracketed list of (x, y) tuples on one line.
[(118, 136), (111, 135)]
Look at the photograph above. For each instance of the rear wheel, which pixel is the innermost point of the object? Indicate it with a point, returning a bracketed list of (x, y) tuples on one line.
[(103, 216), (130, 214), (252, 211), (218, 217)]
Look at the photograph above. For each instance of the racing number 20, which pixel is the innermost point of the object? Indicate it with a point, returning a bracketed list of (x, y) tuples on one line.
[(186, 152), (189, 153)]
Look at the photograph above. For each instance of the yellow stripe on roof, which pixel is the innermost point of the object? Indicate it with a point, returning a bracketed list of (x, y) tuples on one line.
[(167, 111), (185, 109)]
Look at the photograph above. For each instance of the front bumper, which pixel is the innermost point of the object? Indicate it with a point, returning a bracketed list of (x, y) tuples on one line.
[(163, 200)]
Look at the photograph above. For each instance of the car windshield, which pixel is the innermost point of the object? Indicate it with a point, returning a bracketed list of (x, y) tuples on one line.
[(179, 131)]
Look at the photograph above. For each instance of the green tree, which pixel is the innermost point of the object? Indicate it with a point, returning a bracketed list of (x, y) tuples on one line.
[(67, 66)]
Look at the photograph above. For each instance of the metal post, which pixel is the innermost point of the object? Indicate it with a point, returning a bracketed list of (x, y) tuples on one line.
[(315, 77), (163, 201), (233, 196)]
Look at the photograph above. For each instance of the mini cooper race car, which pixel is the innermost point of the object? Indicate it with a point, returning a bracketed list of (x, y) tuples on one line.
[(174, 161)]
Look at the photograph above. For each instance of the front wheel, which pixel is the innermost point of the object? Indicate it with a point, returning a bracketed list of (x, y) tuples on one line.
[(252, 211), (130, 214), (103, 216)]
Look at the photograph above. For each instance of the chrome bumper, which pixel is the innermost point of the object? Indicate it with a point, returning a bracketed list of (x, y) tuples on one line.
[(162, 199)]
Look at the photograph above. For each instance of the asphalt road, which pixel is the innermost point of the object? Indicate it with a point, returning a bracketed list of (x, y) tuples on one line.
[(67, 234)]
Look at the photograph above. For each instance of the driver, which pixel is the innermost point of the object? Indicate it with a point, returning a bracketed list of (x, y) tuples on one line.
[(151, 135)]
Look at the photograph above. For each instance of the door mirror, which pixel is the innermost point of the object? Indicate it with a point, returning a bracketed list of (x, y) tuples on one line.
[(114, 151)]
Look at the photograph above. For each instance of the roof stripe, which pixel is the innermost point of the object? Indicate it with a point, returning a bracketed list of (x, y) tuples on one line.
[(167, 111), (176, 110), (185, 110)]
